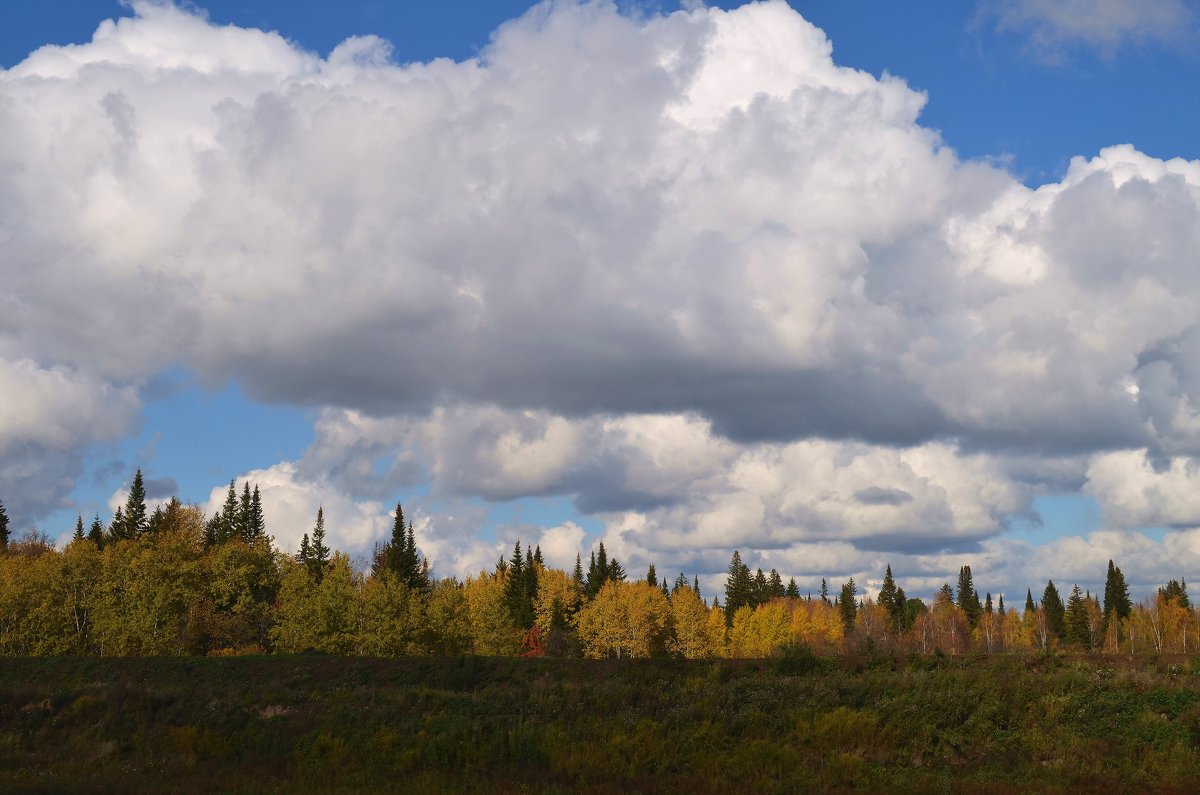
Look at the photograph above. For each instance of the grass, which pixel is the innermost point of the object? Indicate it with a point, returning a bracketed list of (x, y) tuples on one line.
[(797, 723)]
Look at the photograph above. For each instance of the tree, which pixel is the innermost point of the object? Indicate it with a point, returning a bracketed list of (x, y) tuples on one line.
[(245, 509), (517, 592), (96, 532), (1078, 630), (792, 591), (1176, 592), (78, 535), (3, 529), (739, 587), (759, 589), (891, 599), (258, 520), (824, 591), (229, 524), (135, 509), (847, 606), (968, 597), (318, 553), (775, 587), (1117, 604), (1055, 612), (651, 577), (1030, 607)]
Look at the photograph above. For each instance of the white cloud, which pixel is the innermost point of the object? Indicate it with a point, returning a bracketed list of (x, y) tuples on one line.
[(1106, 25)]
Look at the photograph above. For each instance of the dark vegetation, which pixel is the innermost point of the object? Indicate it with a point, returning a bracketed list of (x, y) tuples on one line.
[(1031, 723)]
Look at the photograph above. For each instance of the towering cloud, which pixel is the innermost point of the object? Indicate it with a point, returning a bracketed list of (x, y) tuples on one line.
[(685, 269)]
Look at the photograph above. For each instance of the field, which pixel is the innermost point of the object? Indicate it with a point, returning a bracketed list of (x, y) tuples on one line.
[(796, 723)]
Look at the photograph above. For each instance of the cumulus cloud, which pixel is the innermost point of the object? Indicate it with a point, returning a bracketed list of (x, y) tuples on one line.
[(1106, 25), (683, 269)]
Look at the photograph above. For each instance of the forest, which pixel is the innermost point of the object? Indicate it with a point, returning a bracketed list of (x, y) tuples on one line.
[(173, 581)]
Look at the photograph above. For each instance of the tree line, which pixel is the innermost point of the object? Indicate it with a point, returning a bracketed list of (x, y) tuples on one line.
[(174, 581)]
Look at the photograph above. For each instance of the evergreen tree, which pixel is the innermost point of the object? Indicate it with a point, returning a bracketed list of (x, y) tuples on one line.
[(663, 585), (96, 532), (577, 574), (696, 584), (1116, 594), (651, 577), (78, 536), (116, 528), (775, 587), (3, 529), (229, 526), (847, 605), (1176, 592), (680, 582), (318, 559), (135, 509), (1076, 619), (537, 556), (1030, 607), (245, 513), (212, 529), (592, 585), (759, 589), (891, 601), (304, 556), (902, 610), (987, 604), (792, 591), (616, 572), (1000, 606), (968, 597), (824, 591), (739, 587), (516, 589), (258, 520), (1055, 611), (157, 522)]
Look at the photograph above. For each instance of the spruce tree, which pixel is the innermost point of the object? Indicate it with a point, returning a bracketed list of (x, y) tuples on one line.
[(96, 532), (1055, 611), (1030, 607), (229, 525), (759, 589), (824, 591), (1076, 620), (516, 589), (1000, 606), (577, 573), (537, 556), (680, 582), (116, 528), (3, 529), (651, 577), (318, 559), (847, 605), (663, 585), (135, 509), (1176, 593), (968, 597), (245, 515), (1116, 594), (775, 587), (739, 587), (616, 572), (78, 536), (987, 604), (696, 584), (792, 591), (258, 519), (890, 601)]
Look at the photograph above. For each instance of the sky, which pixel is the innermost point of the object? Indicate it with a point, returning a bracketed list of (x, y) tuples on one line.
[(831, 284)]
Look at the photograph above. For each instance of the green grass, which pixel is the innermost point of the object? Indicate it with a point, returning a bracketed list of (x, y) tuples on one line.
[(317, 724)]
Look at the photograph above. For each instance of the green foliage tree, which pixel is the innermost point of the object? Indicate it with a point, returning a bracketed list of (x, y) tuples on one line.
[(891, 599), (651, 577), (848, 605), (78, 534), (1116, 594), (792, 591), (3, 529), (968, 597), (96, 532), (1055, 611), (317, 557), (739, 587), (775, 587), (1175, 592), (1077, 629)]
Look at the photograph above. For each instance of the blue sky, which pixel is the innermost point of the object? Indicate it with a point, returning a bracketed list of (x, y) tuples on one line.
[(1015, 91)]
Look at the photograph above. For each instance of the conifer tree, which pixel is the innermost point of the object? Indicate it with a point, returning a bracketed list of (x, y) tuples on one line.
[(847, 605), (890, 600), (1176, 593), (1076, 619), (651, 577), (759, 589), (1030, 607), (987, 604), (135, 509), (739, 587), (663, 585), (78, 536), (229, 527), (3, 529), (577, 573), (680, 582), (537, 555), (775, 587), (516, 589), (258, 520), (116, 528), (1000, 606), (968, 597), (696, 584), (1055, 611), (96, 532), (318, 557), (792, 591), (1116, 594), (824, 591), (245, 515)]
